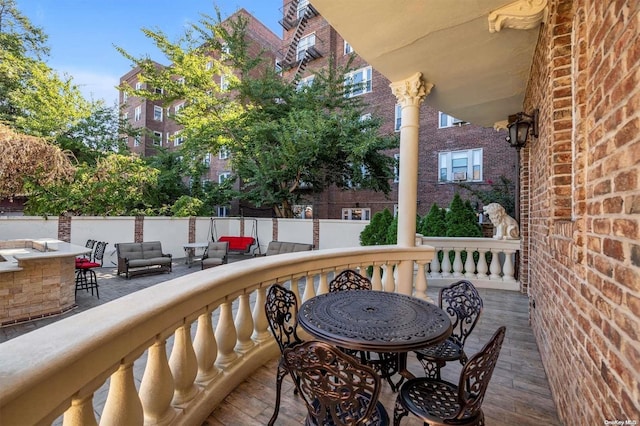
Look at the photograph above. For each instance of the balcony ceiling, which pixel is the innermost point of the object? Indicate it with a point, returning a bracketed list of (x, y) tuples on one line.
[(478, 76)]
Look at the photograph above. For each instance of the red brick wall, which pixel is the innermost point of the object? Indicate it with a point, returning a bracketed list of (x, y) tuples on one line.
[(581, 208)]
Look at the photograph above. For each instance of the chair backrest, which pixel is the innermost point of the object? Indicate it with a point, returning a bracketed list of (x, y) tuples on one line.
[(90, 244), (281, 308), (217, 250), (98, 254), (476, 374), (336, 388), (349, 280), (463, 304)]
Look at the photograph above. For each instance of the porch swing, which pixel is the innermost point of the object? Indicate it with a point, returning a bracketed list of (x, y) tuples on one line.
[(237, 244)]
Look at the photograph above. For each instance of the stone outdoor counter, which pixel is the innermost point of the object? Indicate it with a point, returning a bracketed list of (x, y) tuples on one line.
[(37, 278)]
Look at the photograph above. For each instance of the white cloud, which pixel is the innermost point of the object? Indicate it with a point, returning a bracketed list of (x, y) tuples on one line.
[(95, 85)]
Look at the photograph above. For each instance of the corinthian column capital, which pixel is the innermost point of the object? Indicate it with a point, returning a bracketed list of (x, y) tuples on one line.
[(411, 91)]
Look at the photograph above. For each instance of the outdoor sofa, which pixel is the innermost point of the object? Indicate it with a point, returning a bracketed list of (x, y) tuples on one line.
[(142, 258), (279, 247)]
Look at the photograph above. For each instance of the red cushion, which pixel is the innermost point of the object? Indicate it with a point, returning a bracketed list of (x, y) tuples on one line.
[(238, 243), (86, 264)]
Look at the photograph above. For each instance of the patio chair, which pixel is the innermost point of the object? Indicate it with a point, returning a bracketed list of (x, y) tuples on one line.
[(215, 254), (463, 304), (349, 280), (86, 278), (281, 308), (438, 402), (336, 388)]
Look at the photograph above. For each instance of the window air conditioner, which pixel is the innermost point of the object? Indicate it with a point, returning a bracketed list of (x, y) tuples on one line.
[(460, 176)]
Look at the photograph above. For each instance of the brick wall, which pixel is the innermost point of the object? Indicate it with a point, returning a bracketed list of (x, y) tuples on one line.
[(581, 208)]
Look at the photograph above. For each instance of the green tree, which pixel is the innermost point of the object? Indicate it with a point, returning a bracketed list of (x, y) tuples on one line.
[(375, 233), (34, 99), (461, 221), (434, 224), (117, 185), (286, 142)]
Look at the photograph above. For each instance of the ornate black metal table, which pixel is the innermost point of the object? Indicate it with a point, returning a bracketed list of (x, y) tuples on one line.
[(377, 321)]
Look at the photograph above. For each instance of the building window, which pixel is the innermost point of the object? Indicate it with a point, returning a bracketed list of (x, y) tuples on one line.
[(358, 82), (396, 168), (222, 211), (460, 166), (158, 90), (223, 176), (180, 80), (301, 8), (125, 96), (305, 43), (137, 113), (168, 135), (305, 82), (207, 160), (225, 51), (136, 140), (356, 214), (178, 139), (278, 67), (223, 154), (224, 82), (445, 121), (125, 116), (178, 108), (139, 85), (157, 138), (157, 113), (208, 66), (347, 48), (397, 121)]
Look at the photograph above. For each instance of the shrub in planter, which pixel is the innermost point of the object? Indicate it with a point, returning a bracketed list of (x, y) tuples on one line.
[(375, 233), (461, 219), (434, 224)]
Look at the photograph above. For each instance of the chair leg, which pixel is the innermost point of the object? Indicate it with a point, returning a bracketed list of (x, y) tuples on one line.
[(399, 412), (279, 377), (431, 368), (93, 282)]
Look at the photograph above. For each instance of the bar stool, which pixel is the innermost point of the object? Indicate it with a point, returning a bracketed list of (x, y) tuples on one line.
[(86, 278)]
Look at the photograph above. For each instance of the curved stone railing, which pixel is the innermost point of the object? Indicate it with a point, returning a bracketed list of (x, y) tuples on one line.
[(492, 266), (211, 323)]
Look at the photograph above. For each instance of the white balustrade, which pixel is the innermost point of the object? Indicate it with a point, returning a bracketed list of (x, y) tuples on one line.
[(207, 366)]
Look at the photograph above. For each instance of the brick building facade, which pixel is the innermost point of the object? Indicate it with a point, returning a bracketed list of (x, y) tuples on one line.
[(581, 208), (436, 140)]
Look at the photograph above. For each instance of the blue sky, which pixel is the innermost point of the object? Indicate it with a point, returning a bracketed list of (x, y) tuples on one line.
[(82, 33)]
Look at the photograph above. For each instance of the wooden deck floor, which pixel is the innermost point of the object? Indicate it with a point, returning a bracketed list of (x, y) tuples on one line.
[(517, 395)]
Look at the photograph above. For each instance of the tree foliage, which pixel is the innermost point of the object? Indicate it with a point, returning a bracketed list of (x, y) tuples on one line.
[(434, 223), (21, 163), (461, 219), (117, 185), (501, 192), (375, 233), (286, 143)]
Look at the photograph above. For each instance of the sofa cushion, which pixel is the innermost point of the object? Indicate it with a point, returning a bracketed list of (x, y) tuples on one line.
[(130, 251), (151, 249)]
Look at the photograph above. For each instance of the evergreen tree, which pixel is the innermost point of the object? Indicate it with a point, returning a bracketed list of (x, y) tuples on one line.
[(434, 224), (375, 233), (461, 222)]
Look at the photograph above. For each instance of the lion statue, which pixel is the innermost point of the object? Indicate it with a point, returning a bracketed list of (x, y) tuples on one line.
[(505, 227)]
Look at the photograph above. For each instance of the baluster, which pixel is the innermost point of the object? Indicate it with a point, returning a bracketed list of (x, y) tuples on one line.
[(323, 287), (260, 324), (295, 288), (495, 268), (507, 269), (482, 264), (376, 278), (226, 336), (421, 281), (206, 349), (457, 262), (388, 280), (470, 264), (156, 389), (309, 289), (244, 325), (435, 265), (184, 365), (446, 263), (123, 407), (80, 412)]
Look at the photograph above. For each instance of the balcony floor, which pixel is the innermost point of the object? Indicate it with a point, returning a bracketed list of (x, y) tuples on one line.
[(517, 395)]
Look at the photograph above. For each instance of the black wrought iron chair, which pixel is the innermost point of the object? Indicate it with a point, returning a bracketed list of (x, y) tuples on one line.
[(463, 304), (336, 388), (281, 308), (86, 278), (438, 402), (349, 280)]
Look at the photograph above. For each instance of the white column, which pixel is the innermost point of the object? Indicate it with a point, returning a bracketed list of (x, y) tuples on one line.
[(410, 94)]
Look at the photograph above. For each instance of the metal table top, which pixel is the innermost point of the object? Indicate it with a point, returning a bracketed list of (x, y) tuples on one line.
[(374, 321)]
